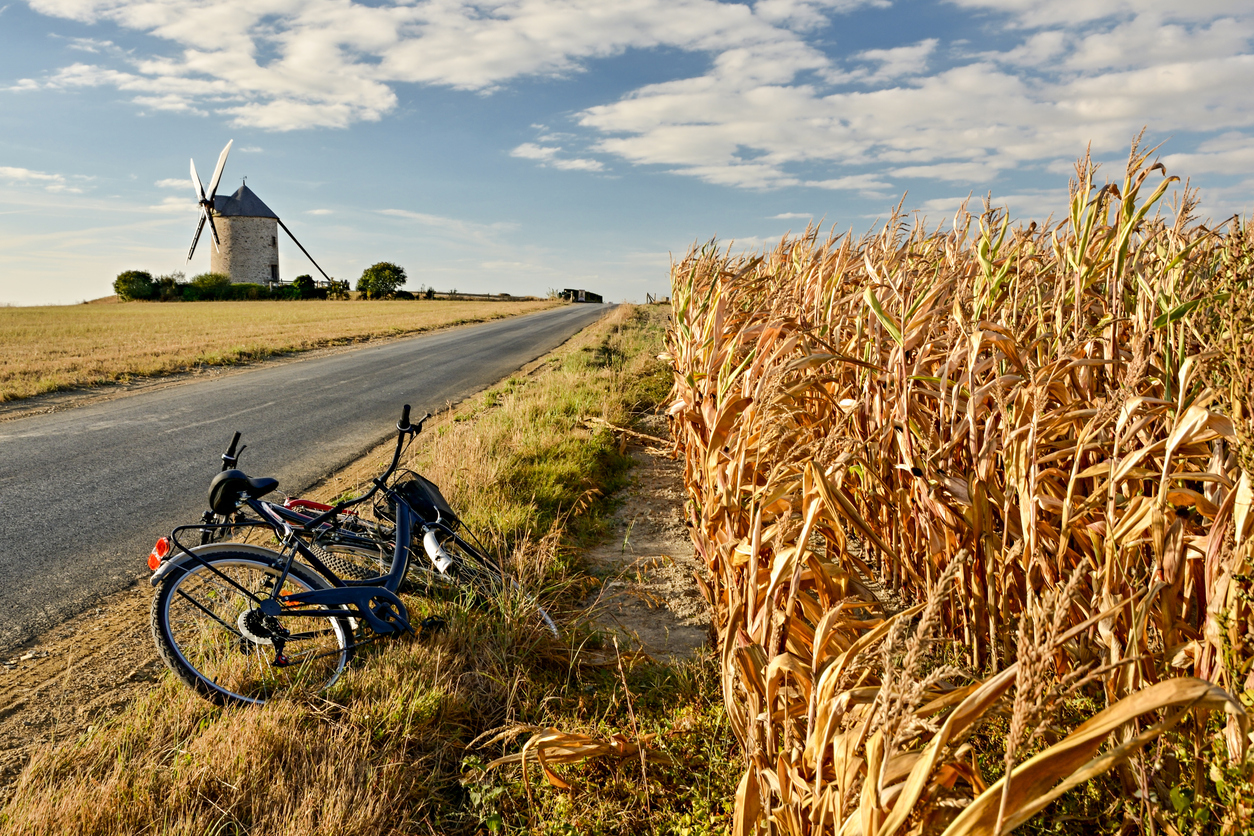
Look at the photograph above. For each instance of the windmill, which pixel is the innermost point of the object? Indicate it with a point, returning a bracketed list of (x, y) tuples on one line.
[(245, 238)]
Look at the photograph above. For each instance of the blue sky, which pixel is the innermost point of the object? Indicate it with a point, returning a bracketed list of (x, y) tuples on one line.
[(523, 145)]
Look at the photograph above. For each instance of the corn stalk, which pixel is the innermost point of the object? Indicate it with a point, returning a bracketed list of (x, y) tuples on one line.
[(926, 439)]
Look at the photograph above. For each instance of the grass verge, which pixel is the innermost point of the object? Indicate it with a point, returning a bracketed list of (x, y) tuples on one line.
[(385, 751), (48, 349)]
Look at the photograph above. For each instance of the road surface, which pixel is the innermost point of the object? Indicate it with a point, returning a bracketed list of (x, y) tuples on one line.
[(84, 493)]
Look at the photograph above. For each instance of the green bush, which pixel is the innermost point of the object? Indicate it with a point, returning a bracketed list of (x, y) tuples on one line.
[(337, 290), (168, 288), (133, 284), (208, 286), (248, 292), (380, 280)]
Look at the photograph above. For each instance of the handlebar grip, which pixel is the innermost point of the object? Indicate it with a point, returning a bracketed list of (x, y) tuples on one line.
[(404, 422), (231, 456)]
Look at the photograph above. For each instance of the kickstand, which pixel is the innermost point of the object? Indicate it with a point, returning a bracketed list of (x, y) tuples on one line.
[(431, 625)]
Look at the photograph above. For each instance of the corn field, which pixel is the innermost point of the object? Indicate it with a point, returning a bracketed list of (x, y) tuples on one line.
[(981, 478)]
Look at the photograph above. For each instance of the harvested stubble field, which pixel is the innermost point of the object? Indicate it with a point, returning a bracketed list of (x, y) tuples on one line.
[(977, 509), (47, 349)]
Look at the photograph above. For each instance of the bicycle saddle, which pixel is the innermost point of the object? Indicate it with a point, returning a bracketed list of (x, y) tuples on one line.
[(229, 485)]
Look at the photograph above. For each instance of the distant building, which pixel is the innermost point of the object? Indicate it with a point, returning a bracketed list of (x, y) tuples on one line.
[(249, 232), (571, 295)]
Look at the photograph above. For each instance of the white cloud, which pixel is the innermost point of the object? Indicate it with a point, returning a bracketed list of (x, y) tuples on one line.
[(783, 102), (91, 45), (547, 155), (175, 183), (1041, 100), (1022, 205), (789, 216), (803, 15), (176, 205), (49, 182), (531, 151), (898, 62), (318, 212), (336, 61), (1078, 13), (578, 164)]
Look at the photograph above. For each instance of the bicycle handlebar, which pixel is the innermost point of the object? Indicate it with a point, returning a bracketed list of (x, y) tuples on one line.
[(231, 456), (403, 428)]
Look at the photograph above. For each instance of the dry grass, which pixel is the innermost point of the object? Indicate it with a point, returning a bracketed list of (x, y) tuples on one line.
[(1038, 434), (45, 349)]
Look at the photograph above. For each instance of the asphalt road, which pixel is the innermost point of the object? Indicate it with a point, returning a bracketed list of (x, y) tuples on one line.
[(84, 493)]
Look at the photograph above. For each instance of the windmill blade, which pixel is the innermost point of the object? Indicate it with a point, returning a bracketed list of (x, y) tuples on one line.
[(217, 172), (213, 230), (196, 239), (302, 249), (200, 190)]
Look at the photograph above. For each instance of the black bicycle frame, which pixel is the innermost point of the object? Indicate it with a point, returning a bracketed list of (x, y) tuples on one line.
[(355, 594), (367, 598)]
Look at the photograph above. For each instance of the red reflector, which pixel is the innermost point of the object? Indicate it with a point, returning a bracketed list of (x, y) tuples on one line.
[(159, 553)]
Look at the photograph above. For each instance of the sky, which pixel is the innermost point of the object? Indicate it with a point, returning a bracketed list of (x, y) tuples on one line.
[(521, 145)]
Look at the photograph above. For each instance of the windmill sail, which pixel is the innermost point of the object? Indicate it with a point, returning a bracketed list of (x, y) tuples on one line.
[(205, 201)]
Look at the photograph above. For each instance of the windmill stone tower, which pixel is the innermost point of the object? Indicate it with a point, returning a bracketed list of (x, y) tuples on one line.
[(244, 230), (248, 238)]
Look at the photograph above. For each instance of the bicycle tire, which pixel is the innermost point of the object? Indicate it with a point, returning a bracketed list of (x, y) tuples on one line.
[(482, 576), (212, 637), (346, 564)]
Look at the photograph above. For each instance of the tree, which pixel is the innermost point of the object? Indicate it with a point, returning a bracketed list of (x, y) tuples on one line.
[(305, 285), (337, 289), (380, 280), (133, 284)]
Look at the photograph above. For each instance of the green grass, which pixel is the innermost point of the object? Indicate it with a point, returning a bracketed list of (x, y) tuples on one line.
[(385, 750)]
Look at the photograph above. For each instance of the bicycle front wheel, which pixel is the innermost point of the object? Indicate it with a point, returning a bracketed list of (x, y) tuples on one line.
[(482, 577), (211, 632)]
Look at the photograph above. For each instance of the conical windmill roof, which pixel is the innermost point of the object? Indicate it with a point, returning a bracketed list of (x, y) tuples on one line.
[(243, 204)]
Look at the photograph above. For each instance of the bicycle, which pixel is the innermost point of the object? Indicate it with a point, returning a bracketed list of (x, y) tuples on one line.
[(242, 623)]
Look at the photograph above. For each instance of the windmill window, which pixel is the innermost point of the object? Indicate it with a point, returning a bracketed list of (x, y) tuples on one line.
[(274, 241), (274, 272)]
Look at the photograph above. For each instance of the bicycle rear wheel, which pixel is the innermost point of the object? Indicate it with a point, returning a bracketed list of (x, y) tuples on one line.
[(211, 633)]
